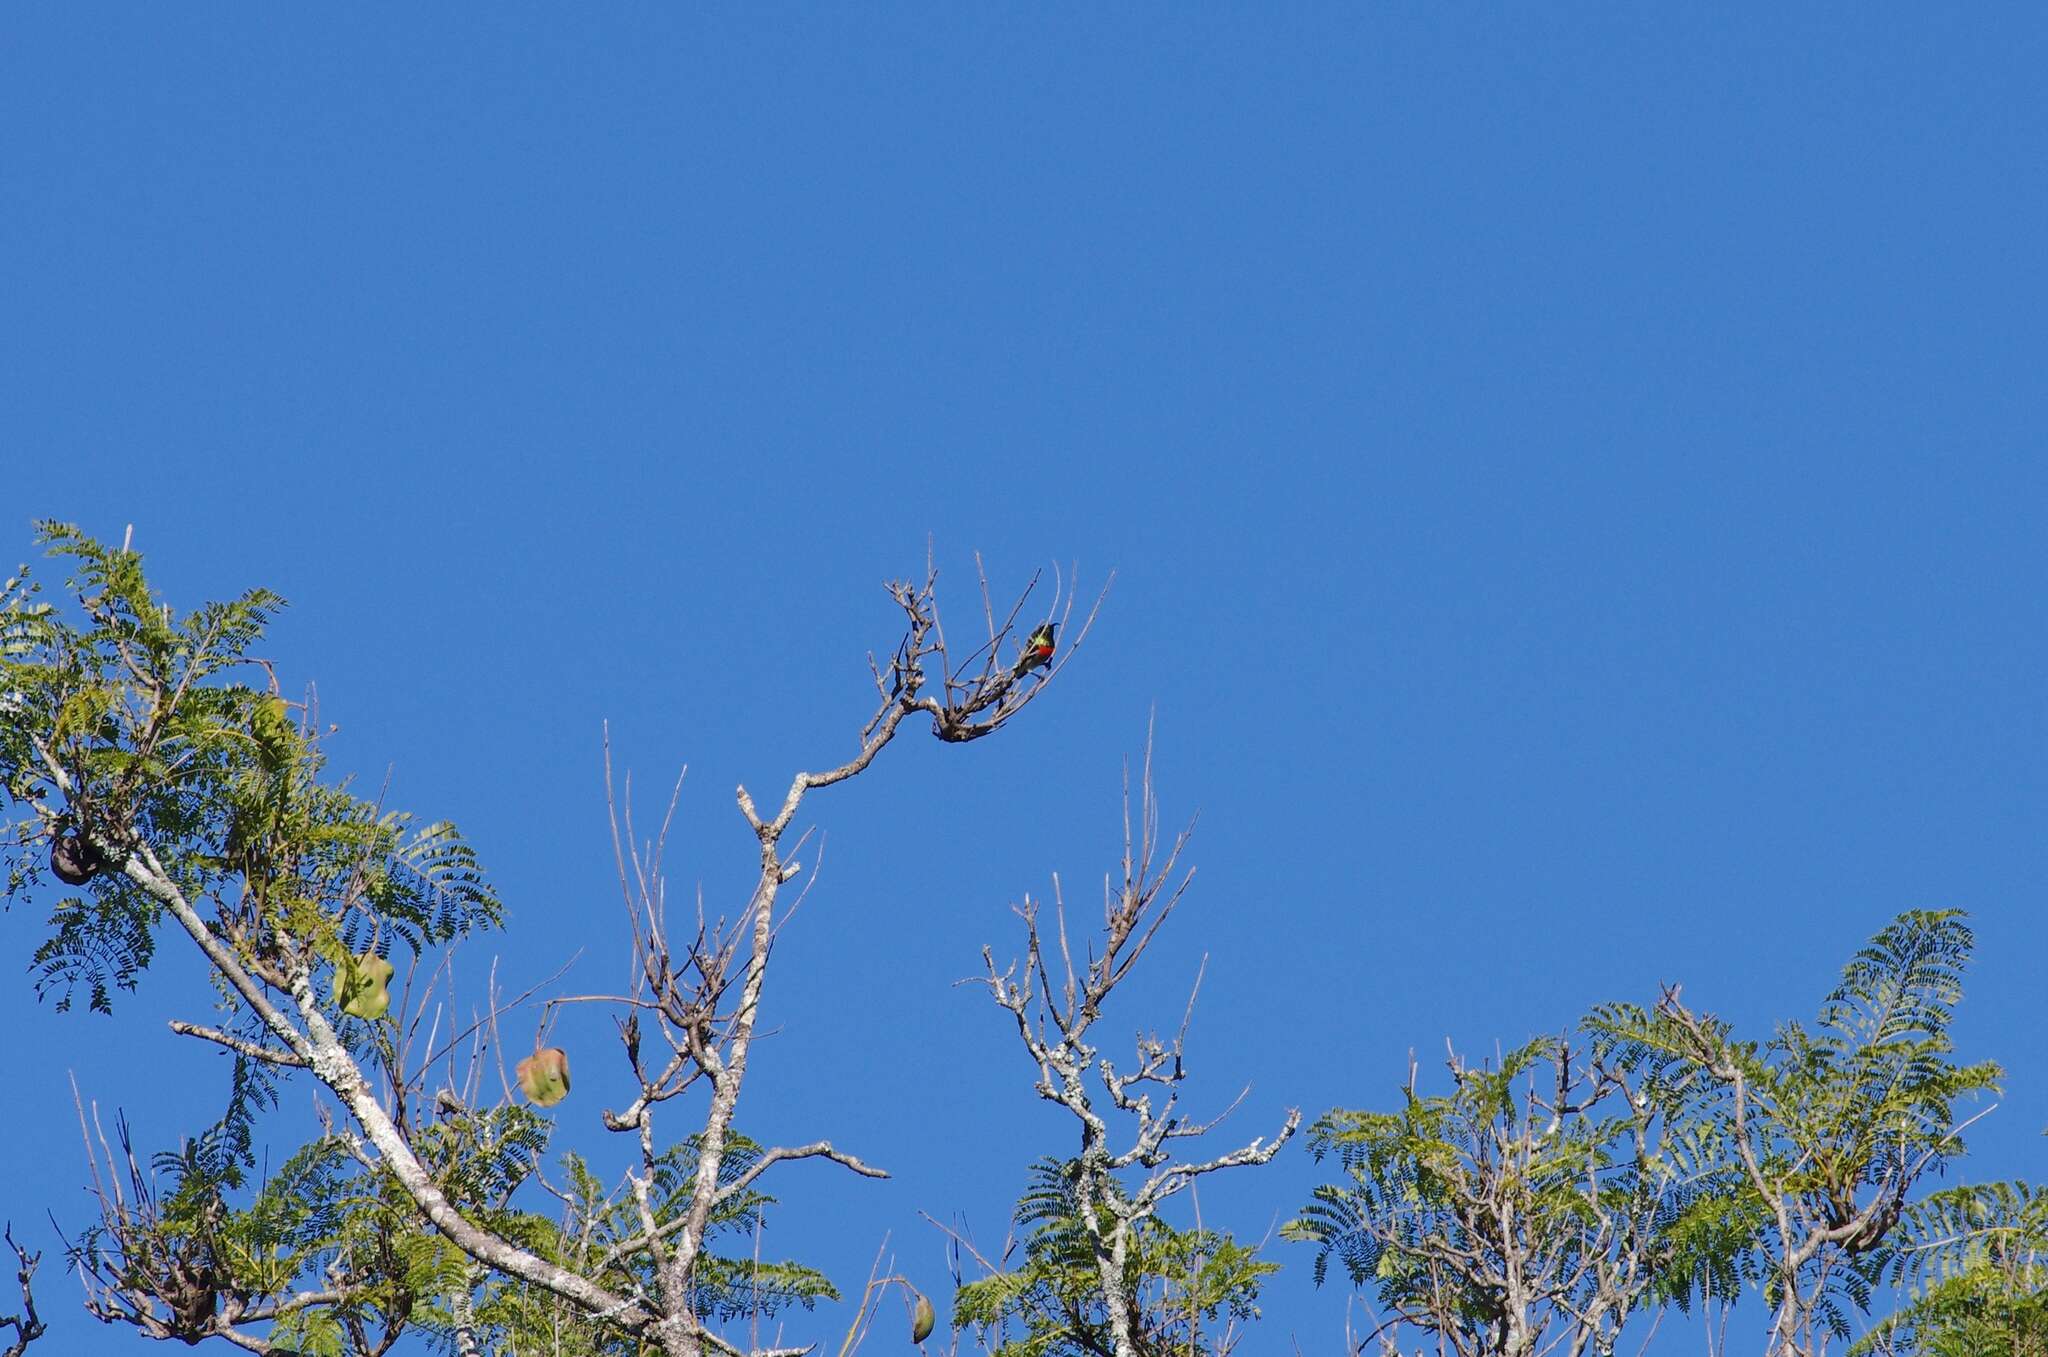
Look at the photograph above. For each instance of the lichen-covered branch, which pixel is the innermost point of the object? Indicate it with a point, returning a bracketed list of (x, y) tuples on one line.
[(704, 990), (26, 1326), (1054, 1005)]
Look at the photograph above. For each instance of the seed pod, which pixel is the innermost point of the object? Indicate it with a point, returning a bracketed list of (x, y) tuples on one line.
[(73, 860), (362, 985), (922, 1318), (544, 1076)]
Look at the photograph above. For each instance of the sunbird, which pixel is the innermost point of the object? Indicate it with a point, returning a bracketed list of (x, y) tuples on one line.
[(1036, 651)]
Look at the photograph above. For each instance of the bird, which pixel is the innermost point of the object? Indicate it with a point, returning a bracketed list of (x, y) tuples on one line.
[(1037, 650)]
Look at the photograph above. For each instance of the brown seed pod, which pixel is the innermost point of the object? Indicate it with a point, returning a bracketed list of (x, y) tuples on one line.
[(73, 860), (544, 1076)]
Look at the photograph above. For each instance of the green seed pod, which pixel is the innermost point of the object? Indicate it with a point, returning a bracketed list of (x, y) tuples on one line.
[(362, 985), (544, 1076)]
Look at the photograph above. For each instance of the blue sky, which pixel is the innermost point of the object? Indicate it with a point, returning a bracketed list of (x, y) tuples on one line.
[(1574, 481)]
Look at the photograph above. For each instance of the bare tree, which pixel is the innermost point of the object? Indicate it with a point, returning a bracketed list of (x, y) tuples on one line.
[(1130, 1118), (27, 1326), (702, 996)]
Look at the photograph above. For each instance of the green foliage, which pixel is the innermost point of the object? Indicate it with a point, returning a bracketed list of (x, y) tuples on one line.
[(175, 1238), (128, 724), (1051, 1306), (1977, 1261), (1707, 1247), (600, 1237), (730, 1284), (411, 1274), (157, 747), (1416, 1167), (1824, 1131), (1537, 1192), (136, 734), (1531, 1191), (190, 1238)]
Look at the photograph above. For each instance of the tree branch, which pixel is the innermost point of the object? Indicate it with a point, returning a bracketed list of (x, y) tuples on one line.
[(818, 1149), (27, 1326), (252, 1049)]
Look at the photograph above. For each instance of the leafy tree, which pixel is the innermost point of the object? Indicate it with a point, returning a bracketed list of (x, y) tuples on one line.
[(160, 778), (1533, 1208), (1826, 1132), (1543, 1202), (1977, 1258), (1177, 1283)]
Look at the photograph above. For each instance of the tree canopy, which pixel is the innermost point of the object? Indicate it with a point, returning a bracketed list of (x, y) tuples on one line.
[(167, 786)]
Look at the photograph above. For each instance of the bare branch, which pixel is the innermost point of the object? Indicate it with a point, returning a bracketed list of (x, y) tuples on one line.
[(818, 1149), (252, 1049), (27, 1326), (1053, 1025)]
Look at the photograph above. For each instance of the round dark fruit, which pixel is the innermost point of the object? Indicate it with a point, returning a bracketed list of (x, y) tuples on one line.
[(73, 860)]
